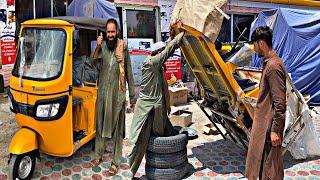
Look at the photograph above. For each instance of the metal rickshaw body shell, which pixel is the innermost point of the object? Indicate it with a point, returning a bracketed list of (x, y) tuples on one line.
[(42, 94), (233, 106)]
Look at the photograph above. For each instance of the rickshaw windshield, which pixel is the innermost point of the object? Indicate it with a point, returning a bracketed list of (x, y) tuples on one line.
[(40, 54)]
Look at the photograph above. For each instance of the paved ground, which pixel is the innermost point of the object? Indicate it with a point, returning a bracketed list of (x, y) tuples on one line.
[(210, 157)]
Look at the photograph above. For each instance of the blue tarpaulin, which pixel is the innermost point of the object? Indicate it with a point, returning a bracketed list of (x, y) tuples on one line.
[(296, 39), (93, 8)]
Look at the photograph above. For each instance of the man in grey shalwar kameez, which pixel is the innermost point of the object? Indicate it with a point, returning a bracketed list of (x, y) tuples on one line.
[(115, 70), (150, 115)]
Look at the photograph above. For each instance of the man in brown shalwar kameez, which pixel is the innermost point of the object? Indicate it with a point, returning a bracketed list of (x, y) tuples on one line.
[(264, 158)]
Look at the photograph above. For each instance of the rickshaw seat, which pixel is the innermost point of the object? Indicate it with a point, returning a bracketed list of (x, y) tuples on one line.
[(76, 101)]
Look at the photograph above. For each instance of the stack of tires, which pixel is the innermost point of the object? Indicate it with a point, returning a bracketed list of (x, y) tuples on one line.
[(166, 157)]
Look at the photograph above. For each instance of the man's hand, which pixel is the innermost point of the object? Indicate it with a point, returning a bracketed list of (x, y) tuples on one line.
[(180, 25), (275, 139), (172, 32), (99, 45), (99, 40)]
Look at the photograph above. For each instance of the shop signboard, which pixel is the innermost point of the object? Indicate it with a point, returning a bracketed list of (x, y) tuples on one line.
[(7, 38), (166, 8), (173, 66), (7, 31)]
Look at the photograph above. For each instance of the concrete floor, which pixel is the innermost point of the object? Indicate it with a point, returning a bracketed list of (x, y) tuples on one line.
[(209, 156)]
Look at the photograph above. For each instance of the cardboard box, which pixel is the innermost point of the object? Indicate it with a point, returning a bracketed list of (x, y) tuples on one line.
[(181, 118), (209, 129), (178, 95)]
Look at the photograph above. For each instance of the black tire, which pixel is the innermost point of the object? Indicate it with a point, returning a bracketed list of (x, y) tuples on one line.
[(174, 173), (166, 160), (15, 162), (170, 144)]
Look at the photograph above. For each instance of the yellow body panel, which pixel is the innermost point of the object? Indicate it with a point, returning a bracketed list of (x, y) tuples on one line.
[(23, 141), (54, 137), (46, 21), (84, 115), (227, 47), (213, 72), (214, 58)]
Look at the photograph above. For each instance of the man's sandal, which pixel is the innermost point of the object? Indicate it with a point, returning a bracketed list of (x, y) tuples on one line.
[(96, 161), (113, 170)]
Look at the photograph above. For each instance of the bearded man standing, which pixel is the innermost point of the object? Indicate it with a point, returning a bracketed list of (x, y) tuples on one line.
[(115, 71)]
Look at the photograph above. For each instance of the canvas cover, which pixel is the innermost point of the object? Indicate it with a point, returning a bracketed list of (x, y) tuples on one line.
[(201, 15), (296, 37), (93, 8), (85, 22)]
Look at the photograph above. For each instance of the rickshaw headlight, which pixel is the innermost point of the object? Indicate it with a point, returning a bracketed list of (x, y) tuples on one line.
[(47, 110), (54, 109), (50, 109), (43, 110)]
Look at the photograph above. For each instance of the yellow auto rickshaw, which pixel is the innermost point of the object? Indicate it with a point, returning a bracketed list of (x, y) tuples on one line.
[(53, 90)]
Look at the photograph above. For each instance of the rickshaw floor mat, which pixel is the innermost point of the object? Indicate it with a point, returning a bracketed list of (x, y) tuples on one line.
[(76, 100), (77, 136)]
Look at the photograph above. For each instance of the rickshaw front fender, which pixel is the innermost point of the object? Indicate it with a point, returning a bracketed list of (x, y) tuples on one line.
[(23, 141)]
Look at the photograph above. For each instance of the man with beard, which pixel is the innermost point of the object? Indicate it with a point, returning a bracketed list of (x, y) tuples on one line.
[(115, 70), (151, 112), (264, 158)]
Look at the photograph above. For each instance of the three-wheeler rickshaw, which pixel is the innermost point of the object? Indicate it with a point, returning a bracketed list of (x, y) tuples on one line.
[(53, 90)]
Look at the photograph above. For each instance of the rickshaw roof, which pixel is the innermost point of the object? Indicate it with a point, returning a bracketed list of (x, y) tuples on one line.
[(78, 22)]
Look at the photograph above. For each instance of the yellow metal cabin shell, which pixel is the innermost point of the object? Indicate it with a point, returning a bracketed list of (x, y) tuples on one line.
[(55, 137), (216, 75), (201, 53)]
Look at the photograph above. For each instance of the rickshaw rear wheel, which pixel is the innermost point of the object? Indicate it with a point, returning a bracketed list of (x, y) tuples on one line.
[(22, 166)]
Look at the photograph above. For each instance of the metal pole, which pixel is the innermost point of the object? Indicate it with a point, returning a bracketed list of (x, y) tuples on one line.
[(34, 9), (51, 8), (124, 21), (231, 28), (66, 4)]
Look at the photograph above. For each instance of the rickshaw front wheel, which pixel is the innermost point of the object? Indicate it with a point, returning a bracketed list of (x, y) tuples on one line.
[(22, 166)]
